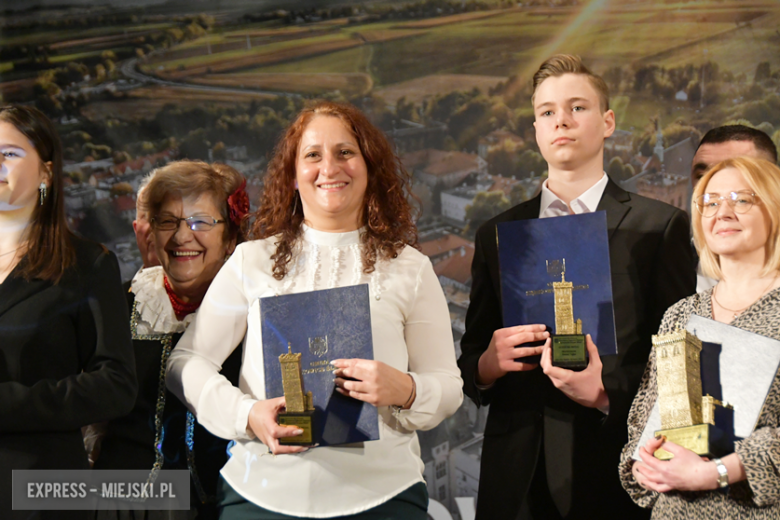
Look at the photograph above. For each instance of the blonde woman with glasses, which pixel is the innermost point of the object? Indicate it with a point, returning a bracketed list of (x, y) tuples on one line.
[(735, 229)]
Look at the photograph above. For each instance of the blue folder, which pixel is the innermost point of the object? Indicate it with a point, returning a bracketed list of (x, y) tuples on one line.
[(531, 254), (322, 326)]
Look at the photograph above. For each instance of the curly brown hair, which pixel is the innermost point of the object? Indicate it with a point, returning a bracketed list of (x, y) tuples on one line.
[(387, 214)]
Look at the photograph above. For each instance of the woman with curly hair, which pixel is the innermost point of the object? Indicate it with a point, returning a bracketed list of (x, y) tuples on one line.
[(334, 213)]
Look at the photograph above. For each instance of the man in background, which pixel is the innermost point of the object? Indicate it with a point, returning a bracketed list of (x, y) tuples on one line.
[(727, 142), (143, 227)]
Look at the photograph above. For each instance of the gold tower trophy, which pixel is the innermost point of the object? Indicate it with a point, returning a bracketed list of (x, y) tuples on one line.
[(689, 418), (298, 403), (568, 342)]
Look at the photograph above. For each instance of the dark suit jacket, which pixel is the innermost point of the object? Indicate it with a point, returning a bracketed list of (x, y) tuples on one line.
[(66, 361), (652, 268)]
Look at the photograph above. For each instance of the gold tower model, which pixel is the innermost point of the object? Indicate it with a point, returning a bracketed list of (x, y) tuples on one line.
[(687, 416), (677, 356), (298, 403), (564, 312), (568, 342)]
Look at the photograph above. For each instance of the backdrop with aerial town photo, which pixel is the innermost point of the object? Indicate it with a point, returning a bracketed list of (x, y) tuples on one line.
[(134, 84)]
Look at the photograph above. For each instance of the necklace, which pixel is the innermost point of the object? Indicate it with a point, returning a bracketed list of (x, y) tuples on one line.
[(11, 251), (737, 312), (180, 308)]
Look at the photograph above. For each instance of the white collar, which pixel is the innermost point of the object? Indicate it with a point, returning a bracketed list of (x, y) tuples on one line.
[(326, 238), (587, 202), (155, 312)]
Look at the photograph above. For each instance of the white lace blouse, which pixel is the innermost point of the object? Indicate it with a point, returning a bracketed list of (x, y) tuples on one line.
[(411, 332)]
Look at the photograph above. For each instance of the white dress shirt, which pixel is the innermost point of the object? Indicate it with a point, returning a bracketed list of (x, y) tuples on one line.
[(411, 332), (553, 206)]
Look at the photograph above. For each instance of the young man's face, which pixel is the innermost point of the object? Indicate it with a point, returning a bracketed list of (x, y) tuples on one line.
[(570, 127)]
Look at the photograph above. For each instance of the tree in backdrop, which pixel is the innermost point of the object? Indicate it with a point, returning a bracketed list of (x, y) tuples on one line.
[(530, 164), (517, 194), (617, 171), (218, 152), (763, 72), (486, 205)]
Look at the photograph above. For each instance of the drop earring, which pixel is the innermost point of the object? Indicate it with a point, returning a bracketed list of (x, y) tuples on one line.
[(42, 189)]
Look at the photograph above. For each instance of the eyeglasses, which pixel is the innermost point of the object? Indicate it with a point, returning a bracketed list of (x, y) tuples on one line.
[(708, 204), (196, 223)]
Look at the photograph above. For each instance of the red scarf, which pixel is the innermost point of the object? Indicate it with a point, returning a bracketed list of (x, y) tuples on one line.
[(180, 308)]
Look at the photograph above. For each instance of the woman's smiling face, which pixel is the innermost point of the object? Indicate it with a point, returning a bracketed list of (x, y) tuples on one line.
[(191, 259), (331, 174), (729, 232)]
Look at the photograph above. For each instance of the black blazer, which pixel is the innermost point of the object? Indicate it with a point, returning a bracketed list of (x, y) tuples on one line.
[(66, 361), (652, 268)]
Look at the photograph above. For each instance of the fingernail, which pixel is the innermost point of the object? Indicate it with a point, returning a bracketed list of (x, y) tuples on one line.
[(298, 432)]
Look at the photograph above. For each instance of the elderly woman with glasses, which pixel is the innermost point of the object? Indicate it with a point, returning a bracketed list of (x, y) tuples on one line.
[(735, 229), (197, 212)]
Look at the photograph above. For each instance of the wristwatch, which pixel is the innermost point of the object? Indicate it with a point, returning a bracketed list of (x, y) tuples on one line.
[(723, 474)]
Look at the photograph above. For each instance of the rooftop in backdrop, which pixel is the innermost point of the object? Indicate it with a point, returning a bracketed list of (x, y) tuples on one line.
[(457, 267)]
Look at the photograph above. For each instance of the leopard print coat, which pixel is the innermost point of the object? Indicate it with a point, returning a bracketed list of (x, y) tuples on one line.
[(758, 497)]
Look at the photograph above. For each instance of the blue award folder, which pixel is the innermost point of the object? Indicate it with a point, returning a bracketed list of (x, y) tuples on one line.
[(322, 326), (534, 254)]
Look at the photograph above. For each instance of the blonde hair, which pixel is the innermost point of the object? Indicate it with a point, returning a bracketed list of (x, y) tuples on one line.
[(763, 177), (561, 64)]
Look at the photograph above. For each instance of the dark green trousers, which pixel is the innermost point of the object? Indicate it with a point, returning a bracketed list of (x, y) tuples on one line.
[(411, 504)]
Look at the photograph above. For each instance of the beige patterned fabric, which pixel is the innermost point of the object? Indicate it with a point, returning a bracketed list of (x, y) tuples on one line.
[(759, 496)]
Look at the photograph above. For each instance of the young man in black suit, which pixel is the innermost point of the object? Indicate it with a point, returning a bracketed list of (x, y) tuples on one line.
[(553, 437)]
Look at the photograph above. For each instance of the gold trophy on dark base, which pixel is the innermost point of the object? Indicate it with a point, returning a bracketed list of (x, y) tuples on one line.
[(568, 342), (689, 418), (299, 404)]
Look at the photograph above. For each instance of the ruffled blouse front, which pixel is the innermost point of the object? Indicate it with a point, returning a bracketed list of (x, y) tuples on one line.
[(155, 313)]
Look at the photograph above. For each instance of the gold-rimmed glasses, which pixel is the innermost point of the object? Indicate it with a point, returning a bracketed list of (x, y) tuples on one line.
[(708, 204)]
